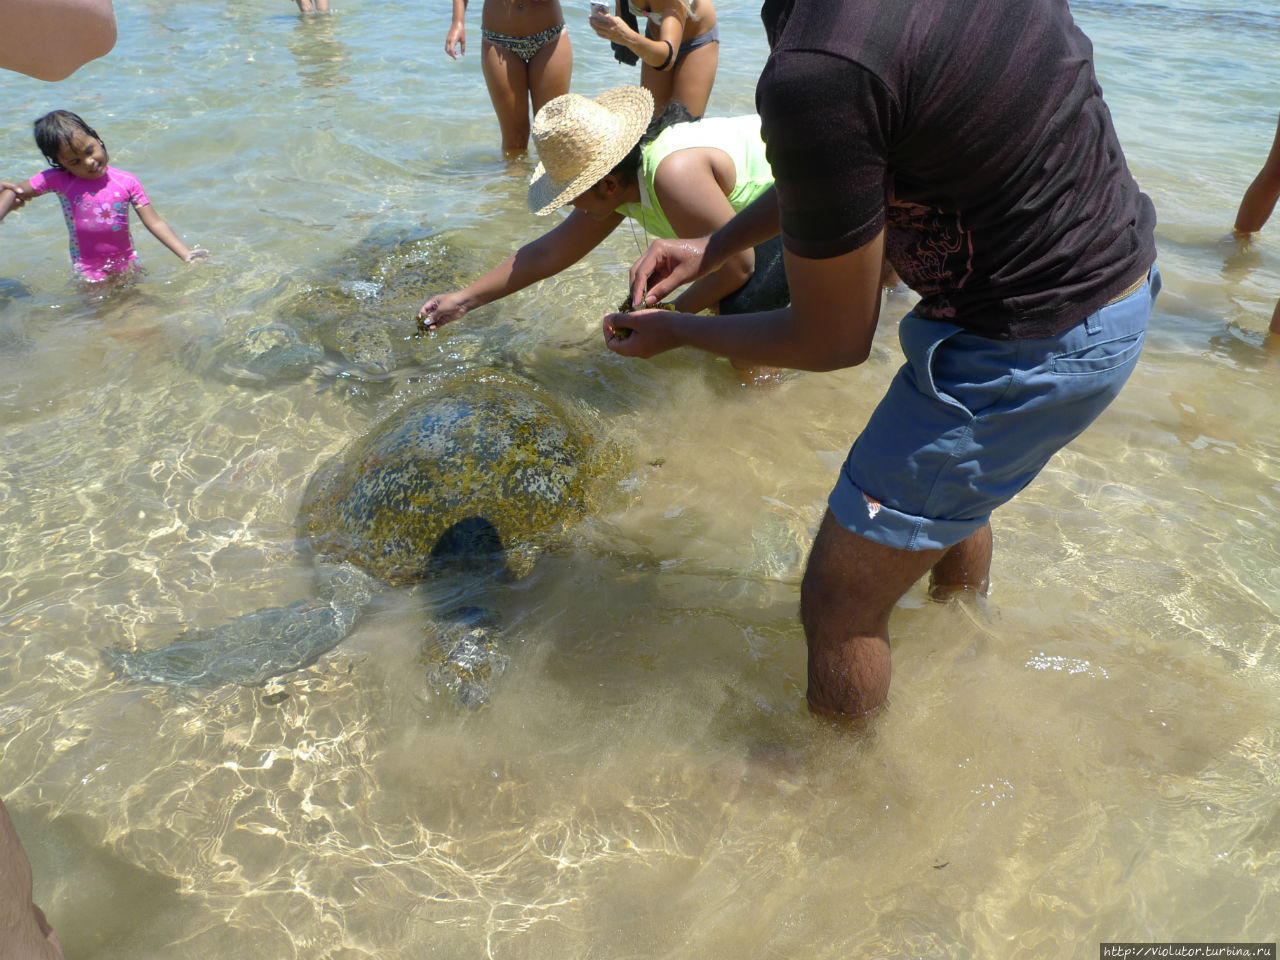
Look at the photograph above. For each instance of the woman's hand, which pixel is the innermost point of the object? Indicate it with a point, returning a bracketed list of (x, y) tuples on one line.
[(456, 38), (439, 310), (612, 28)]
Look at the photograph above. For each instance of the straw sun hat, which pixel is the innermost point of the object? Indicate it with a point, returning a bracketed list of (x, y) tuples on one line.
[(580, 139)]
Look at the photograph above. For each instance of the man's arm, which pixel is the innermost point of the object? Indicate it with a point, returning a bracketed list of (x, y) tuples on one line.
[(835, 306), (51, 39), (669, 264)]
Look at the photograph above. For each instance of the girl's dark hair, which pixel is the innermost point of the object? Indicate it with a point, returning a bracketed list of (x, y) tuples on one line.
[(628, 168), (55, 130)]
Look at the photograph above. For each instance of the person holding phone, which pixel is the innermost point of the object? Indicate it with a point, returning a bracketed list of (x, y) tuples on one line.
[(679, 49)]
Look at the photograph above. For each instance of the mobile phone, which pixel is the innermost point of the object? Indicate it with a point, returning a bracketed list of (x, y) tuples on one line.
[(599, 6)]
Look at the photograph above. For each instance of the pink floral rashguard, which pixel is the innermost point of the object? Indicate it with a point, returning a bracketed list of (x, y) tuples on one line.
[(97, 214)]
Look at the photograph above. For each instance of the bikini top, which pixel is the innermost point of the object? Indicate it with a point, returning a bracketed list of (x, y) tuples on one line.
[(655, 16)]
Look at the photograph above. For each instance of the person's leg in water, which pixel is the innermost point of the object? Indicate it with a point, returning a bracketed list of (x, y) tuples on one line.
[(550, 70), (510, 79), (965, 425), (766, 289), (850, 588), (25, 934), (507, 77)]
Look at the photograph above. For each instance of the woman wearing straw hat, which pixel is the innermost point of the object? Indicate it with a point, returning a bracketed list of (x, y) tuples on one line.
[(610, 160)]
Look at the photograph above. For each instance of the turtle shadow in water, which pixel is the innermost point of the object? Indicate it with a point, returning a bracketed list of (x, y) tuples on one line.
[(474, 479), (358, 323)]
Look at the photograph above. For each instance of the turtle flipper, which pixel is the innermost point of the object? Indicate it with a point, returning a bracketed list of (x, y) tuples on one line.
[(248, 649)]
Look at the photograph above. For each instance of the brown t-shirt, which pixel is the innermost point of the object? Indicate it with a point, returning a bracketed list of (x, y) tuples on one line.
[(974, 132)]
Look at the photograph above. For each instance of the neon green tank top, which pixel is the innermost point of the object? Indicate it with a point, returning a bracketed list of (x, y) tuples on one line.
[(739, 137)]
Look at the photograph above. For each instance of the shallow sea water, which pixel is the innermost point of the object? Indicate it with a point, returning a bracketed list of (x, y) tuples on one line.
[(1088, 755)]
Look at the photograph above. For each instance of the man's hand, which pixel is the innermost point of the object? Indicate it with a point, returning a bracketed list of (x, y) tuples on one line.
[(666, 265), (643, 333)]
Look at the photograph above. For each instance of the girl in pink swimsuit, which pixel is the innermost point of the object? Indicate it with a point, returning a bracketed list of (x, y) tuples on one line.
[(95, 199)]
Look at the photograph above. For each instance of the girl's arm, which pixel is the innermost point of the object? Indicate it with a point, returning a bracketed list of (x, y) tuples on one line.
[(692, 187), (457, 36), (552, 252), (13, 196), (164, 233), (658, 53)]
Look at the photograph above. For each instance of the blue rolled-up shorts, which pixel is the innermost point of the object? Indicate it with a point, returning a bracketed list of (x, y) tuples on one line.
[(969, 421)]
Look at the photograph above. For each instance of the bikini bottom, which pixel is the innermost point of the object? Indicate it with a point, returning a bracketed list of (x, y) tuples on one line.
[(526, 48), (711, 36)]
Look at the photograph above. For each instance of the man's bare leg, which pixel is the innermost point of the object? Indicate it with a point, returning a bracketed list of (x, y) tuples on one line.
[(965, 567), (850, 587), (849, 590)]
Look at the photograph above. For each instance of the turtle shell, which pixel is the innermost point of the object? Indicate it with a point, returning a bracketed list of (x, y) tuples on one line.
[(488, 469)]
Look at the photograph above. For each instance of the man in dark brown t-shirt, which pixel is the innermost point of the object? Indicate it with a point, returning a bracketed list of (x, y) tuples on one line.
[(966, 142)]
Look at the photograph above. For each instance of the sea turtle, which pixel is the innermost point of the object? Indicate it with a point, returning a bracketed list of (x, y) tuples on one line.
[(364, 311), (475, 476), (268, 354), (357, 323)]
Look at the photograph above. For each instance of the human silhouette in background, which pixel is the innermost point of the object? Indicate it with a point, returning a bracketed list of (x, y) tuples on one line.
[(1258, 203), (678, 48)]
